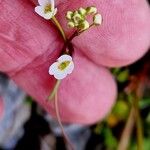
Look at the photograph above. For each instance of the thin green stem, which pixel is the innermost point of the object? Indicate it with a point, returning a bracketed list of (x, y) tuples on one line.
[(51, 96), (75, 34), (59, 28), (60, 124), (56, 22)]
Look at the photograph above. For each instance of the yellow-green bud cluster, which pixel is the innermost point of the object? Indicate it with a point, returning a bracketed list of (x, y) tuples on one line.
[(77, 19)]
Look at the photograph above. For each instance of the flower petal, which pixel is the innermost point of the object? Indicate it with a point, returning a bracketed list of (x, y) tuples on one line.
[(39, 10), (43, 2), (53, 68), (52, 4), (60, 76), (64, 58), (71, 67)]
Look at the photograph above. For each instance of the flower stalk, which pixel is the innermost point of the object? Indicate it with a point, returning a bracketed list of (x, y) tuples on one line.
[(54, 91), (60, 123), (56, 22)]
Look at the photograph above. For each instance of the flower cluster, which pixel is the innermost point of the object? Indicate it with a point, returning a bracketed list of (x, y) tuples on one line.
[(77, 19)]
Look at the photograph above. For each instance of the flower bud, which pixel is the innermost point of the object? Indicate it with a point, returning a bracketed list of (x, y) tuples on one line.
[(91, 10), (69, 15), (77, 18), (82, 11), (71, 24), (97, 19), (84, 25)]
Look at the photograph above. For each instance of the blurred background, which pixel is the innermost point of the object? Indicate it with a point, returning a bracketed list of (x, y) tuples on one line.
[(26, 126)]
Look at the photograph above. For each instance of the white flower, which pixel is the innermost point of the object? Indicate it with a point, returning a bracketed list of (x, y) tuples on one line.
[(62, 67), (46, 9), (97, 19)]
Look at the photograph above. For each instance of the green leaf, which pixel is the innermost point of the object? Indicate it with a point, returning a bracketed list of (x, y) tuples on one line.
[(146, 145), (110, 140), (144, 103)]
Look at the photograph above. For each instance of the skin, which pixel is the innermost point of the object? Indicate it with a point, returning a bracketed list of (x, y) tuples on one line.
[(29, 45)]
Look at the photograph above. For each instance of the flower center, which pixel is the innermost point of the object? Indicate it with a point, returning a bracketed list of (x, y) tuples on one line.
[(63, 65), (47, 8)]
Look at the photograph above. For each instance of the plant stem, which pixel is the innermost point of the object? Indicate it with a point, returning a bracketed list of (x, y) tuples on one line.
[(69, 40), (60, 124), (54, 92), (56, 22), (51, 96), (59, 28), (126, 134)]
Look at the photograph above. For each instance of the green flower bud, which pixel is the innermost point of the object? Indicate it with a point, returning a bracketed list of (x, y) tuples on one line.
[(77, 18), (75, 13), (91, 10), (71, 24), (69, 15), (84, 25), (82, 11)]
